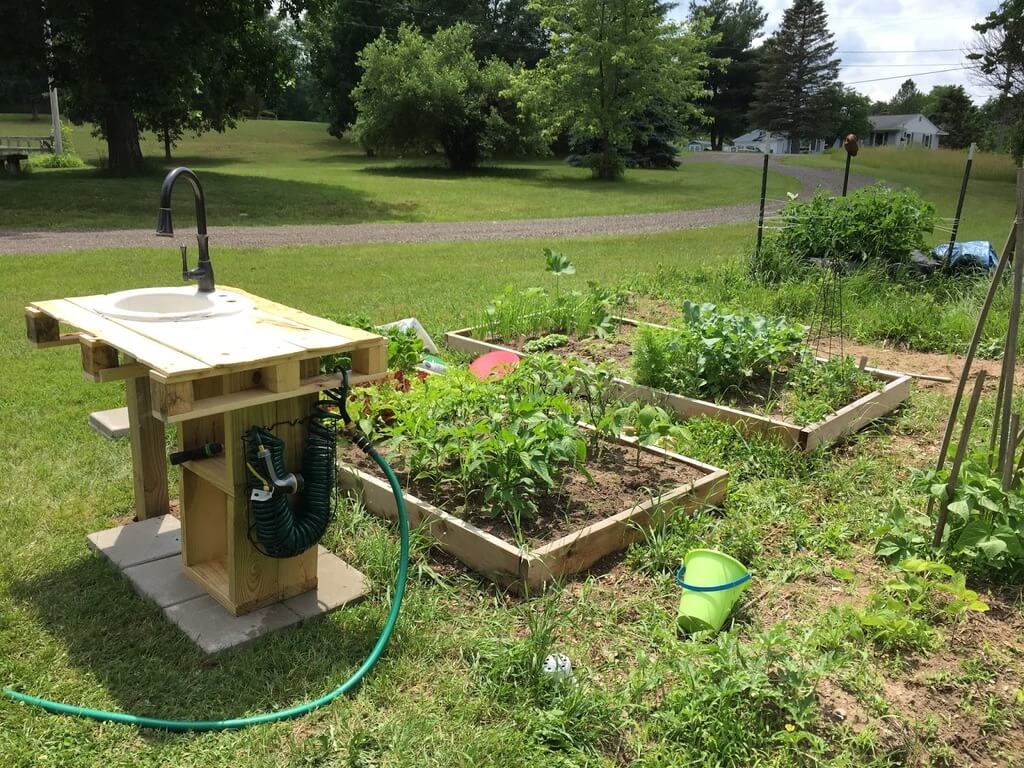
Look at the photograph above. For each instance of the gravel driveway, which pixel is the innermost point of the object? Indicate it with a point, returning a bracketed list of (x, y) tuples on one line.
[(16, 241)]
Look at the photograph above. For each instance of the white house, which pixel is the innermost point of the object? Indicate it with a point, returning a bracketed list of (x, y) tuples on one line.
[(773, 143), (903, 131)]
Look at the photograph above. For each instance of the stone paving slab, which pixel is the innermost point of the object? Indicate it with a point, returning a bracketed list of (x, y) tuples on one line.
[(163, 581), (148, 553), (137, 543), (112, 424)]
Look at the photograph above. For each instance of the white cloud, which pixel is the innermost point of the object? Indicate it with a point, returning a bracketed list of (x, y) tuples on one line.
[(898, 25)]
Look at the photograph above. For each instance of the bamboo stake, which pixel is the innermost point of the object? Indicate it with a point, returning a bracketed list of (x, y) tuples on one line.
[(1010, 361), (972, 350), (960, 205), (958, 458)]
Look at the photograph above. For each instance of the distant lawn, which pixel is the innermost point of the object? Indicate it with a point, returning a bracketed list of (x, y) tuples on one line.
[(936, 174), (280, 172)]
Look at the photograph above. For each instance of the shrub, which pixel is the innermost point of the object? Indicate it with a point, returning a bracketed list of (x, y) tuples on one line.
[(68, 159), (713, 352), (873, 225), (417, 94)]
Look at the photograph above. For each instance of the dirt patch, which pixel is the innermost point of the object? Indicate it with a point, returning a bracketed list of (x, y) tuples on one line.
[(616, 483)]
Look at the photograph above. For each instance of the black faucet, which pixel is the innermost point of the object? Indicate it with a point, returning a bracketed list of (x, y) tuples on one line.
[(203, 272)]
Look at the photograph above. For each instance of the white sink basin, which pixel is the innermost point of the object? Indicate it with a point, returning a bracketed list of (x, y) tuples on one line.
[(162, 305)]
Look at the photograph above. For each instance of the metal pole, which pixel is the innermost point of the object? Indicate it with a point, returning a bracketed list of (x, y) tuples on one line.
[(960, 204), (846, 173), (760, 215)]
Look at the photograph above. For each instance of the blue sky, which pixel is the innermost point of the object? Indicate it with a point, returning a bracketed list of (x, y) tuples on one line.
[(896, 25)]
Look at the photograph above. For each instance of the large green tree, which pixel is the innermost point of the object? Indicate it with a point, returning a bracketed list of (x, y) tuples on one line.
[(732, 74), (170, 66), (419, 93), (337, 30), (999, 57), (798, 76), (850, 112), (951, 108), (609, 61), (908, 100)]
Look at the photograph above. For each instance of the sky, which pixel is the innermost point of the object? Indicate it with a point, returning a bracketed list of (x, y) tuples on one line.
[(934, 32)]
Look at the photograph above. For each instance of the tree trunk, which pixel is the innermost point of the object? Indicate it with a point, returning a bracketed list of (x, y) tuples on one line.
[(35, 111), (124, 156), (167, 143)]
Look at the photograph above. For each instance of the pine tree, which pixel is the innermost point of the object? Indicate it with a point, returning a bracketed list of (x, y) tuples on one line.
[(799, 74)]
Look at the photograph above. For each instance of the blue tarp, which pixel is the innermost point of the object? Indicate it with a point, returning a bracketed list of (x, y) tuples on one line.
[(976, 254)]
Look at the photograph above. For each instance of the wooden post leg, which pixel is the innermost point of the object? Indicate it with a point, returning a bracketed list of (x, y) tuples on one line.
[(149, 464)]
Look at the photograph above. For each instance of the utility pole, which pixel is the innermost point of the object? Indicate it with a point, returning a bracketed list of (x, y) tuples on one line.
[(58, 140)]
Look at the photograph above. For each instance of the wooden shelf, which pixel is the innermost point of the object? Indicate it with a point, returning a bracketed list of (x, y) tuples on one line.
[(213, 577), (213, 470)]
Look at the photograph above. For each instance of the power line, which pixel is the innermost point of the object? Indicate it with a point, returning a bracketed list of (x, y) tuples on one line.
[(922, 50), (901, 77), (917, 64)]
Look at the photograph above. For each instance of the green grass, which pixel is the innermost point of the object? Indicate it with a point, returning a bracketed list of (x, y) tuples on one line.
[(937, 174), (279, 172), (458, 687)]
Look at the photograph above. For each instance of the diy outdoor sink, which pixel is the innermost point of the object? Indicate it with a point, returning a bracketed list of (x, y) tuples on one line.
[(162, 305)]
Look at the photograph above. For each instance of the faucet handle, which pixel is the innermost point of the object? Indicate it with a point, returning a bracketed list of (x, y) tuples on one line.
[(184, 261)]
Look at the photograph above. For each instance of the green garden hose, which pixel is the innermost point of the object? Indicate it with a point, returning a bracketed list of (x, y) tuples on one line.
[(56, 707)]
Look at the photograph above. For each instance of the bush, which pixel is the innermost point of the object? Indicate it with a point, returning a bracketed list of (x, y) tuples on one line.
[(417, 94), (713, 353), (68, 159), (875, 225)]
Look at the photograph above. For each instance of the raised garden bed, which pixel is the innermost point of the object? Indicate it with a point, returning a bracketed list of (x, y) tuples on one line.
[(551, 551), (894, 389)]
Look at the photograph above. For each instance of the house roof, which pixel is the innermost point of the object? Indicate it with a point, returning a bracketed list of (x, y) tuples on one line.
[(756, 135), (894, 122)]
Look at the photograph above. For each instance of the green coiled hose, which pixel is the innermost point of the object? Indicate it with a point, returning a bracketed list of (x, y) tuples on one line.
[(281, 714), (285, 529)]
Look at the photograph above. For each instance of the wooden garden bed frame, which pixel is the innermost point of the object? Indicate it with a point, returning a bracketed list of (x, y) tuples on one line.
[(528, 570), (846, 421)]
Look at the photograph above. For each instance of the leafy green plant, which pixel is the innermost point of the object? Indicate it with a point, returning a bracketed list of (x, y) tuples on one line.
[(500, 445), (738, 700), (595, 388), (985, 529), (876, 224), (534, 311), (649, 424), (713, 353), (546, 343), (405, 350), (816, 388), (899, 617)]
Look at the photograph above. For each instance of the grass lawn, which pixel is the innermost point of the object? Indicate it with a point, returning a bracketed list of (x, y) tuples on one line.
[(279, 172), (796, 682), (936, 175)]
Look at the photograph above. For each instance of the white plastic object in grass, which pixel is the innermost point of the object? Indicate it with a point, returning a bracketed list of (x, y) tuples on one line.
[(558, 666)]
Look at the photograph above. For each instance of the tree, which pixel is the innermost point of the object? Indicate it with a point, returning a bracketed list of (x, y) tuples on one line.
[(908, 100), (949, 107), (799, 71), (418, 93), (608, 62), (998, 54), (176, 65), (337, 30), (22, 56), (850, 112), (732, 74)]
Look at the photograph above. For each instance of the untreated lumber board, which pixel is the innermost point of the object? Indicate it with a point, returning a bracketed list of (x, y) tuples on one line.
[(149, 464)]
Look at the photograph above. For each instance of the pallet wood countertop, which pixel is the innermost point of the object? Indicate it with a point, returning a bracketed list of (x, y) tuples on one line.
[(215, 377)]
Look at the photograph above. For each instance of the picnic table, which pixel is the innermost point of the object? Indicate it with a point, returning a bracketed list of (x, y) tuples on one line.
[(14, 149)]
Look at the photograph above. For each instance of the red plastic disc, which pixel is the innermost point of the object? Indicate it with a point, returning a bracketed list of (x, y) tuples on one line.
[(496, 364)]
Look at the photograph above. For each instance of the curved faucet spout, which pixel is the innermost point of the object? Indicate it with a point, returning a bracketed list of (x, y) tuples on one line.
[(165, 227)]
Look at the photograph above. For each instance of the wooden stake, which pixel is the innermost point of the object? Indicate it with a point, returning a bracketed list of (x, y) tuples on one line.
[(961, 451)]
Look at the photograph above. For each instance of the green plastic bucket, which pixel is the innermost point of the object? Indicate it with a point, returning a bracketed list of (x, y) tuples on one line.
[(711, 582)]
